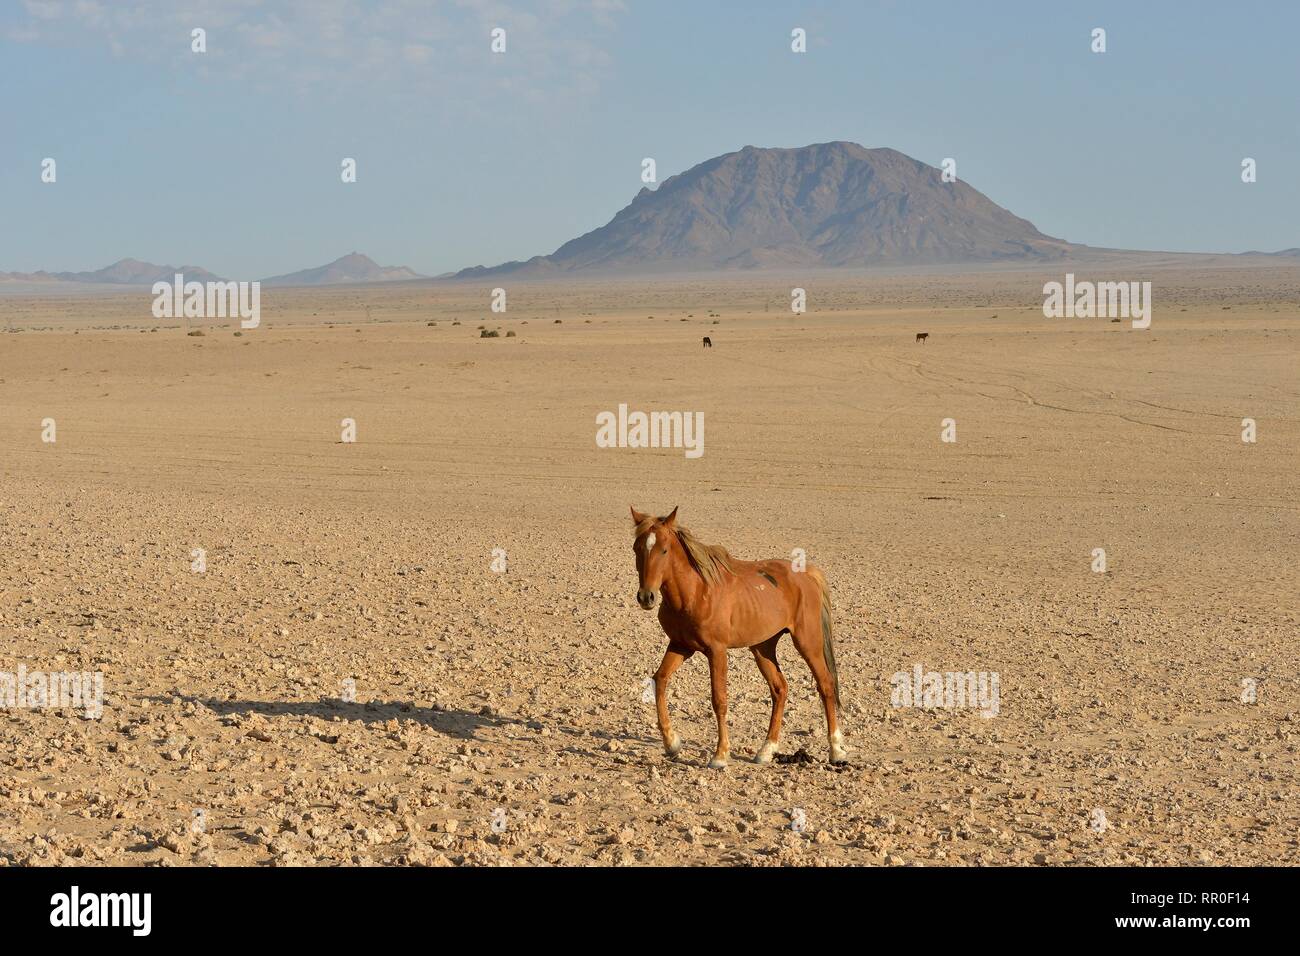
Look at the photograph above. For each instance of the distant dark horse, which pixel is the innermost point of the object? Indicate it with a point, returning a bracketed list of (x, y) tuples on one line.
[(708, 342), (922, 336)]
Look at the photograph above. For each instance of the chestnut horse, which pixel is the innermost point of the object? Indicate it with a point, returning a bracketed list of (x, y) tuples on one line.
[(713, 603)]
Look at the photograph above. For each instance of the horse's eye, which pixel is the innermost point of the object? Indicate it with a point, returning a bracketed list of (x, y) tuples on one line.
[(664, 551)]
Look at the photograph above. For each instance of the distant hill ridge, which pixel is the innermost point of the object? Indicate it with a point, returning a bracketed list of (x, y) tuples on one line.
[(122, 272), (828, 205), (352, 268)]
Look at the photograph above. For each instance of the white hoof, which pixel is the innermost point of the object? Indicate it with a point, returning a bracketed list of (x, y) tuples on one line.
[(674, 747), (718, 763), (839, 754), (766, 752)]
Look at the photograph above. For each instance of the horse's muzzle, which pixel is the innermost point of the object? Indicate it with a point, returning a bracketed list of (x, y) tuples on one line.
[(645, 598)]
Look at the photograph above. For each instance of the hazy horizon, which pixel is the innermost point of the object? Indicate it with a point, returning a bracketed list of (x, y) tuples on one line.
[(230, 159)]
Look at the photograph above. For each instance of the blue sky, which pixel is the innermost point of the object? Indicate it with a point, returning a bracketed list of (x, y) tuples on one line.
[(230, 159)]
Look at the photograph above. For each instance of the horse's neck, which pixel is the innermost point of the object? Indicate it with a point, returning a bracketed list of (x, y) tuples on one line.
[(682, 586)]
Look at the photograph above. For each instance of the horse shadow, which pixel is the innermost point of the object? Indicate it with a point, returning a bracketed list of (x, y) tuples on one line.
[(450, 722)]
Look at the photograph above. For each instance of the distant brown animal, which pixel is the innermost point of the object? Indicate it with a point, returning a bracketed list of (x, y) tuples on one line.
[(713, 603), (708, 342), (922, 336)]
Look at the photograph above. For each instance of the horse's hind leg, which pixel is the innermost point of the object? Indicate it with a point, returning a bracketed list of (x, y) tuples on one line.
[(673, 658), (765, 657), (808, 640)]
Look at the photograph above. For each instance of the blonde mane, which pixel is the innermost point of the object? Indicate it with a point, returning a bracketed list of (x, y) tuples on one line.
[(711, 561)]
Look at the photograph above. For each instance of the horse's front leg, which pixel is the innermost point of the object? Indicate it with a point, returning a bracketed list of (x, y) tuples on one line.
[(718, 680), (765, 656), (673, 658)]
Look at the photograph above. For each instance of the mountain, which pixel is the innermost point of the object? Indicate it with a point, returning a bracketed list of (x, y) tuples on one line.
[(349, 269), (827, 205), (122, 272)]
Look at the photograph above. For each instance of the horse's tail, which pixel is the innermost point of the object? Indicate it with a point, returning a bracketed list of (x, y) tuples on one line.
[(828, 643)]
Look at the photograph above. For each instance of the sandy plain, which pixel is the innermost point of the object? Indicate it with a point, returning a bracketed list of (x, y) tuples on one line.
[(499, 717)]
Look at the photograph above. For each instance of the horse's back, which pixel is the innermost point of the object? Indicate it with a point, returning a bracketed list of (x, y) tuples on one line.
[(806, 585)]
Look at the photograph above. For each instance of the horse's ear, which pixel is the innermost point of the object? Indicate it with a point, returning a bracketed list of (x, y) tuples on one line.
[(637, 517), (671, 521)]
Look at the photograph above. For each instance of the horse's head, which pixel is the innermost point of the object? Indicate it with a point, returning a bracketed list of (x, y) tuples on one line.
[(654, 538)]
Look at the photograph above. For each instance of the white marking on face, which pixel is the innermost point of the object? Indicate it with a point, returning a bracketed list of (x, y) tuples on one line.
[(649, 542)]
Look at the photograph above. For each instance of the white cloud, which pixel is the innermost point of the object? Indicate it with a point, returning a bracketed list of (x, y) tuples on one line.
[(310, 44), (44, 9)]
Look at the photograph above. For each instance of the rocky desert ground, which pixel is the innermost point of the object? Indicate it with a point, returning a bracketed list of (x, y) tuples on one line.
[(422, 646)]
